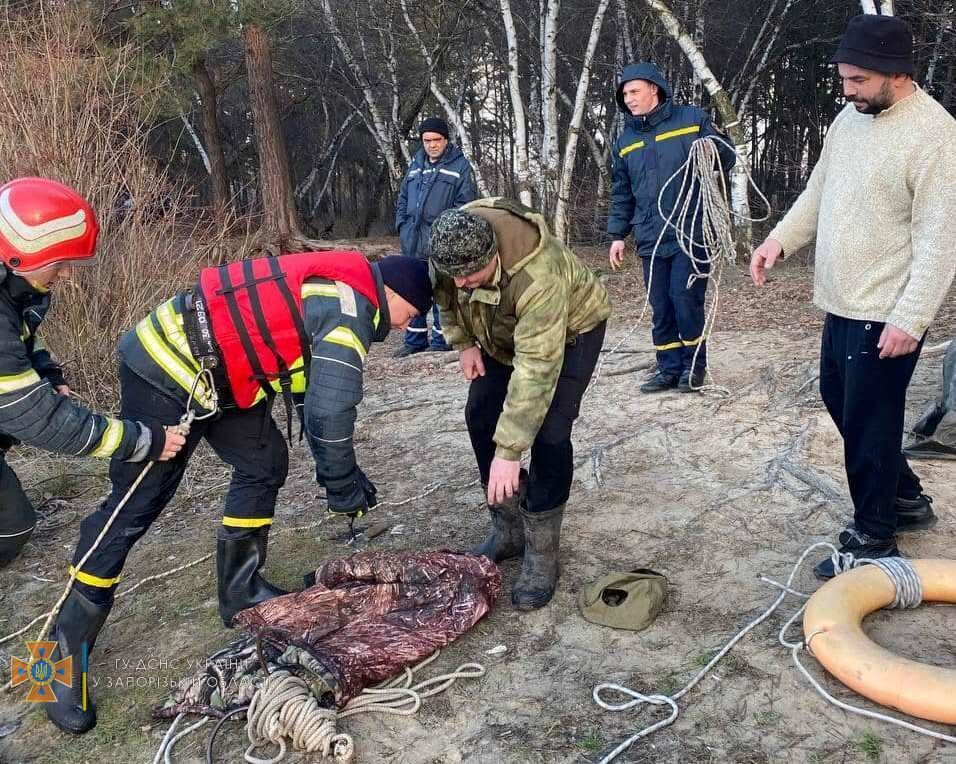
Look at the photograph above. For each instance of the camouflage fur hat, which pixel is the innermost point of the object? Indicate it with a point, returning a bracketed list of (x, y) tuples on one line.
[(461, 243)]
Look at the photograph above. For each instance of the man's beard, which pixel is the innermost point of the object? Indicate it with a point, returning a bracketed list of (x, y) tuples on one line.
[(881, 102)]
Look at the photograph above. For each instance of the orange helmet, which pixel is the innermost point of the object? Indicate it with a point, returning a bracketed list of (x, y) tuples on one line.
[(43, 222)]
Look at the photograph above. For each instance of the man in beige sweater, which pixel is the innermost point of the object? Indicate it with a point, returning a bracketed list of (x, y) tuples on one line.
[(881, 204)]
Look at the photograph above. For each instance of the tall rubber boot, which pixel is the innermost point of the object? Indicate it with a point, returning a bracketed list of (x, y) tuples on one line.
[(79, 622), (17, 516), (539, 570), (506, 539), (240, 554)]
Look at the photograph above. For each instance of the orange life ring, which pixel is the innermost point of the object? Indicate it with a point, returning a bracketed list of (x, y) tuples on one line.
[(833, 628)]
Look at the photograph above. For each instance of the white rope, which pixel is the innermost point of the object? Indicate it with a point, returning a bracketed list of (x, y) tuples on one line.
[(714, 236), (165, 751), (284, 708), (908, 594)]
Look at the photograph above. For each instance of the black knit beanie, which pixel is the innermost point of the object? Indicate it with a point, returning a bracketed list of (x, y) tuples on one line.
[(408, 277), (433, 125)]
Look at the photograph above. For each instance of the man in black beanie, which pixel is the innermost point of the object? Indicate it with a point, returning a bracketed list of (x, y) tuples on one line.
[(297, 327), (439, 178), (881, 208)]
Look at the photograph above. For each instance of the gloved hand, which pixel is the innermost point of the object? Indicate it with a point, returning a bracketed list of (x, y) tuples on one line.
[(351, 495)]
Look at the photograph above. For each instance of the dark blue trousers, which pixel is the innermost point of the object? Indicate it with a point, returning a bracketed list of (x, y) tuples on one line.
[(678, 312), (866, 398), (416, 335)]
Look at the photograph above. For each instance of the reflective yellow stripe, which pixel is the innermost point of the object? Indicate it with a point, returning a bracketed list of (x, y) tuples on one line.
[(90, 580), (182, 374), (172, 325), (691, 343), (320, 290), (669, 346), (246, 522), (631, 147), (13, 382), (110, 440), (675, 133), (298, 378), (24, 332), (342, 335), (376, 319)]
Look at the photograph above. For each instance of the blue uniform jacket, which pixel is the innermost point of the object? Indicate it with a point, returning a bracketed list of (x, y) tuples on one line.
[(427, 191), (650, 149)]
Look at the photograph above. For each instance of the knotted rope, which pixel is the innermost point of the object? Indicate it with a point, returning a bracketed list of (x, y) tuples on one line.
[(908, 594)]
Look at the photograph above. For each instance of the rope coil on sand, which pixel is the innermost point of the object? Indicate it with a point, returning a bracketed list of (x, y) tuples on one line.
[(908, 588)]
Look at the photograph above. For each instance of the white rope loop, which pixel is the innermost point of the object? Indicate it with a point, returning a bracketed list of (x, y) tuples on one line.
[(908, 594)]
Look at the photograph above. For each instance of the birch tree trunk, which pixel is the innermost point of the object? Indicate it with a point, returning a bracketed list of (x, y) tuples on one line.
[(517, 107), (755, 78), (577, 116), (946, 23), (549, 104), (732, 124), (279, 220), (868, 6), (381, 132), (454, 116), (209, 102)]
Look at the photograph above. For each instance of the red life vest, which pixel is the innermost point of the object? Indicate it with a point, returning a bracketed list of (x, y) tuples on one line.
[(255, 312)]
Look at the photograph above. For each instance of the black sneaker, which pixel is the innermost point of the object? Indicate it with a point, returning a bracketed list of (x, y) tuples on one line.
[(691, 383), (860, 545), (406, 350), (915, 514), (660, 382)]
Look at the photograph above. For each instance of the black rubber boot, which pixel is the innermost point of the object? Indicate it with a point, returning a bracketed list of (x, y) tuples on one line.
[(79, 622), (660, 382), (17, 516), (915, 514), (539, 570), (240, 555), (506, 539)]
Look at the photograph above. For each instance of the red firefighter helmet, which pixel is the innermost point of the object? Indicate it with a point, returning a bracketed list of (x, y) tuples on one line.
[(43, 222)]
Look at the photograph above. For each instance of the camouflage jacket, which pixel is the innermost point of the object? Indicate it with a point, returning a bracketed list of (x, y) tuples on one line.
[(540, 299)]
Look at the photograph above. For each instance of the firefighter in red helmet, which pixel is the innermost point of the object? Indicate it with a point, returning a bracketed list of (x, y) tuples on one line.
[(296, 328), (45, 229)]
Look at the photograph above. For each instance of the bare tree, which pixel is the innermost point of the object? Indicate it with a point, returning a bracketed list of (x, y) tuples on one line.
[(279, 220)]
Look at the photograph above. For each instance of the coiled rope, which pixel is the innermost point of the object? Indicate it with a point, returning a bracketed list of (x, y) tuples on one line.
[(909, 594), (704, 226), (285, 710)]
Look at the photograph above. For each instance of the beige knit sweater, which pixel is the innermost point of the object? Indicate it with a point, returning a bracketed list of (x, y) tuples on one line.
[(881, 203)]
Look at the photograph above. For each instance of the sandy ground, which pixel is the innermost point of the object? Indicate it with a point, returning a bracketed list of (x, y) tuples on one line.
[(714, 491)]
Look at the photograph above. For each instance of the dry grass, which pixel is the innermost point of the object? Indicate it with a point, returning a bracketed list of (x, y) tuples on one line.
[(77, 112)]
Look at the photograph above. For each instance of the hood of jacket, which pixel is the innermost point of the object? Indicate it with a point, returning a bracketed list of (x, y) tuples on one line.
[(649, 72)]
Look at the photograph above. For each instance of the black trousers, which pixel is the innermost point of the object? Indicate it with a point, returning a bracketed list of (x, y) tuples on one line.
[(552, 455), (866, 398), (17, 516), (246, 439)]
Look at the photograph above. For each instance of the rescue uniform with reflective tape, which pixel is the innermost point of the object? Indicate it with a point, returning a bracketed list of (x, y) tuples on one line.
[(650, 149), (33, 412), (340, 317)]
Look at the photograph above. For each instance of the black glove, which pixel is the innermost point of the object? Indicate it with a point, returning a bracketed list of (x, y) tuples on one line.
[(351, 495)]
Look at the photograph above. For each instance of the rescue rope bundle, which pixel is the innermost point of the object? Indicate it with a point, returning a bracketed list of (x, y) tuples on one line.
[(284, 710), (704, 227), (908, 595)]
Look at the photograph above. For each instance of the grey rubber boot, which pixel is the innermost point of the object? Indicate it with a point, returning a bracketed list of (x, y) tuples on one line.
[(78, 624), (539, 571), (506, 539)]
